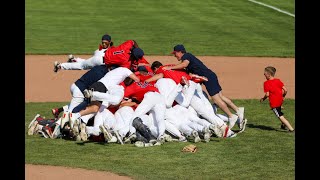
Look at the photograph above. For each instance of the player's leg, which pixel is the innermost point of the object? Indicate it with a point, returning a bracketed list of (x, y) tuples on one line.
[(123, 116), (159, 112), (112, 96), (98, 120), (77, 97), (188, 92)]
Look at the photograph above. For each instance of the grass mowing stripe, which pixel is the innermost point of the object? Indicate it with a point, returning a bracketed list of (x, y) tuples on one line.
[(274, 8)]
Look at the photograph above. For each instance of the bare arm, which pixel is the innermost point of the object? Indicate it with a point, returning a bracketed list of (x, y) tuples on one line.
[(155, 77), (182, 65), (284, 91), (134, 77), (265, 97)]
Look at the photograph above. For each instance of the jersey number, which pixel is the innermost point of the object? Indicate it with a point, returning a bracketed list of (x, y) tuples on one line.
[(118, 52)]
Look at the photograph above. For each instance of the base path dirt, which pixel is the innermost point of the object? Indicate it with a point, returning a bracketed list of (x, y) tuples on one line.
[(44, 172), (239, 77)]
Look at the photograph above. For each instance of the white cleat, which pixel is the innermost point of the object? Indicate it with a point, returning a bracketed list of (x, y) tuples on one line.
[(196, 136), (232, 121), (70, 58), (206, 135), (240, 113), (107, 135), (118, 136), (167, 137), (83, 133), (56, 66), (243, 125), (56, 132), (33, 124), (88, 93)]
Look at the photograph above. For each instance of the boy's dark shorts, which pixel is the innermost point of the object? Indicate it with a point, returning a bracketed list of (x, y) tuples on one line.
[(277, 111), (212, 85), (98, 86)]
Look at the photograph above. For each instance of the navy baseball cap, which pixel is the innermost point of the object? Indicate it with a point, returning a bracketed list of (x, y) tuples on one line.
[(142, 68), (177, 48), (137, 53), (106, 37)]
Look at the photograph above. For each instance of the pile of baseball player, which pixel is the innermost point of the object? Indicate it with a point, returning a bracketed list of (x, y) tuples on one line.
[(121, 98)]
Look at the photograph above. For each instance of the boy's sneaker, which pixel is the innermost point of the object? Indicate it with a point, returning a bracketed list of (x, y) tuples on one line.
[(32, 125), (56, 66), (242, 125), (232, 121), (284, 127)]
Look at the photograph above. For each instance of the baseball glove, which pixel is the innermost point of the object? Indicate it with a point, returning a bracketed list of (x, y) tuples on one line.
[(190, 148)]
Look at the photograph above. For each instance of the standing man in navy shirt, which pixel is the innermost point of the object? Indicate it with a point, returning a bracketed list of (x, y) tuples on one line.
[(194, 66)]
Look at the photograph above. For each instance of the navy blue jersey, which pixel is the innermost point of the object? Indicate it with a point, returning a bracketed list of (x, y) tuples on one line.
[(195, 66), (91, 76)]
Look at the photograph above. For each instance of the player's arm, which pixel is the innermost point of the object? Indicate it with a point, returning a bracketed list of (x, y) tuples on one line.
[(134, 77), (284, 91), (154, 77), (266, 95), (182, 65)]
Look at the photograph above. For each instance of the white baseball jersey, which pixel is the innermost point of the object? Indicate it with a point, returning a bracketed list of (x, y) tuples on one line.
[(115, 76)]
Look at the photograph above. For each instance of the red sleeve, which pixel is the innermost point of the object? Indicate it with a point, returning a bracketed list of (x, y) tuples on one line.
[(159, 70)]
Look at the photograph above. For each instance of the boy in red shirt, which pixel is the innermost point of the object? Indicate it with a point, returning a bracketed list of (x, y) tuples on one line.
[(276, 91)]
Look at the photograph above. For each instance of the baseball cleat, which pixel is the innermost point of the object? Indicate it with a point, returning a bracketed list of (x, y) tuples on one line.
[(240, 113), (243, 125), (56, 132), (83, 134), (33, 120), (196, 136), (87, 93), (207, 134), (232, 121), (118, 137), (107, 135), (128, 140), (56, 66), (70, 58)]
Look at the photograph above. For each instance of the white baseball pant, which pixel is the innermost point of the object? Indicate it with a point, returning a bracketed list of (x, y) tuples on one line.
[(113, 96), (77, 97), (153, 101), (103, 117), (95, 60), (123, 116), (169, 89)]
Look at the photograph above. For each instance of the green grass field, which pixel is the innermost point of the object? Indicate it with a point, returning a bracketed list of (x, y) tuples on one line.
[(208, 27), (262, 151)]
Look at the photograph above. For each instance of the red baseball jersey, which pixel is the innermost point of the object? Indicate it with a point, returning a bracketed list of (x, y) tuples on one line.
[(137, 90), (134, 64), (175, 75), (274, 87), (143, 77), (119, 55)]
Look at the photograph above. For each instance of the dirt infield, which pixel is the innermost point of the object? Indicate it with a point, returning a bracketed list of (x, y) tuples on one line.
[(239, 77)]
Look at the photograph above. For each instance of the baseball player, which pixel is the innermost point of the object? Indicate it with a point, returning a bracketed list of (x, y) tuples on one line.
[(148, 98), (195, 66), (95, 60), (106, 92)]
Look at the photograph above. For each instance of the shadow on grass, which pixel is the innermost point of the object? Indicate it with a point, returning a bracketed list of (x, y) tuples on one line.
[(263, 127)]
